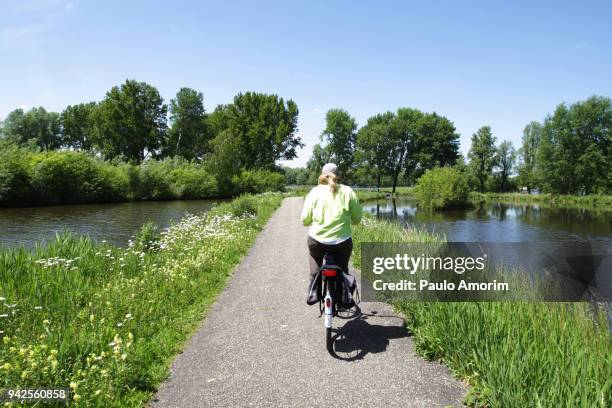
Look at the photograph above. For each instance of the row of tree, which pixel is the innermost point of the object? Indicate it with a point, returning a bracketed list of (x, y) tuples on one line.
[(569, 153), (133, 123), (392, 144)]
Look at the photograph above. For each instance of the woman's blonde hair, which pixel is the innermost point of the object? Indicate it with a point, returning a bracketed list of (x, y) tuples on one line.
[(331, 180)]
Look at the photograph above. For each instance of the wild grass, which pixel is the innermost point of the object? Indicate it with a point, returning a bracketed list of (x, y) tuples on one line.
[(593, 201), (106, 321), (512, 354)]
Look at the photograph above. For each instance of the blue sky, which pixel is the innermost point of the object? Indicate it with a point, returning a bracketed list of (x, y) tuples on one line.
[(501, 64)]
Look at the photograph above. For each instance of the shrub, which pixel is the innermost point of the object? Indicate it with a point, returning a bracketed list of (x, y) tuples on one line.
[(15, 186), (244, 205), (193, 181), (442, 188), (146, 237), (258, 181), (154, 182)]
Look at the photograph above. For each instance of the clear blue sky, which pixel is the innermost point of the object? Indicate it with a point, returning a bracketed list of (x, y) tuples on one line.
[(496, 63)]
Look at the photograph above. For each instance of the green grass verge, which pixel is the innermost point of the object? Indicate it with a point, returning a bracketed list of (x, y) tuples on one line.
[(107, 321), (603, 202), (512, 354), (363, 195)]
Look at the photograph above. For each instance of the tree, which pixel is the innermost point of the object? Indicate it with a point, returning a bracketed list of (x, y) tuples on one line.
[(320, 156), (77, 126), (482, 155), (264, 127), (404, 135), (340, 134), (527, 154), (436, 144), (131, 121), (188, 135), (575, 150), (505, 162), (37, 125), (374, 141)]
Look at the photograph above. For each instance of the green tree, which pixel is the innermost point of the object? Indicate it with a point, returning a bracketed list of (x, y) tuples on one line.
[(263, 126), (505, 163), (131, 121), (340, 134), (575, 150), (374, 141), (320, 156), (482, 155), (77, 126), (436, 144), (528, 153), (36, 125), (188, 135), (404, 137)]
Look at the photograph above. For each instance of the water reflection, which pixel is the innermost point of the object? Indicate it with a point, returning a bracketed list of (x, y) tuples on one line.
[(498, 222)]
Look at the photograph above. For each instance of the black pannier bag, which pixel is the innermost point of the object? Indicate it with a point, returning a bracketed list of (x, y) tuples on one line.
[(346, 299)]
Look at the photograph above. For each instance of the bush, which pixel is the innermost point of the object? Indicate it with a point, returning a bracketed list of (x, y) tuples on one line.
[(155, 183), (146, 237), (15, 187), (244, 205), (442, 188), (193, 181), (258, 181)]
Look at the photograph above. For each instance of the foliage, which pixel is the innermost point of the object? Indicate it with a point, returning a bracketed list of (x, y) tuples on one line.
[(575, 151), (527, 153), (442, 188), (107, 321), (189, 134), (130, 121), (482, 155), (147, 237), (30, 177), (37, 125), (260, 128), (77, 126), (593, 201), (340, 136), (258, 181), (512, 354), (504, 163)]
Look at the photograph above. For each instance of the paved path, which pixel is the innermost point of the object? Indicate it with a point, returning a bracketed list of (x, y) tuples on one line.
[(261, 345)]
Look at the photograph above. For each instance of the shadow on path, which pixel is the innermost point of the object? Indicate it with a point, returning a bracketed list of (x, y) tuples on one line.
[(360, 336)]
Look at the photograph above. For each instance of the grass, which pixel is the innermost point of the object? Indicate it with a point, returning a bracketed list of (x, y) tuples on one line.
[(512, 354), (594, 201), (362, 194), (107, 321)]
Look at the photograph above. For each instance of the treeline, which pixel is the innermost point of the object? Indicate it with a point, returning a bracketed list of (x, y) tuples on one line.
[(570, 152), (102, 144), (392, 148)]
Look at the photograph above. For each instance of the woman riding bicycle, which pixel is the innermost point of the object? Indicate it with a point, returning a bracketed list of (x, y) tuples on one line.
[(330, 208)]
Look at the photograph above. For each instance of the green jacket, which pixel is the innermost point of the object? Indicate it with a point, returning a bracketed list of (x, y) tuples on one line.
[(331, 215)]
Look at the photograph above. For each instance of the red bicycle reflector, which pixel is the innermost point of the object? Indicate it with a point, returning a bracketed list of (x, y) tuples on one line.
[(328, 303), (329, 273)]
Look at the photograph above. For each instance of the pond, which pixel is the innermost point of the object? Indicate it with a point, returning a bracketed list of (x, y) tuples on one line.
[(115, 223), (498, 222)]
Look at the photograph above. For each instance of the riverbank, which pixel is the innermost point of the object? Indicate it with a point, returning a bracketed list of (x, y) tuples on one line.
[(512, 354), (595, 202), (362, 193), (41, 178), (108, 320)]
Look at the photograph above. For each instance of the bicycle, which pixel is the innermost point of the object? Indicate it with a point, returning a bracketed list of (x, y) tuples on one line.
[(332, 287)]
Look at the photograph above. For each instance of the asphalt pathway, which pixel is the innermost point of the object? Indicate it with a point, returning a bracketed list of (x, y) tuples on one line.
[(261, 345)]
